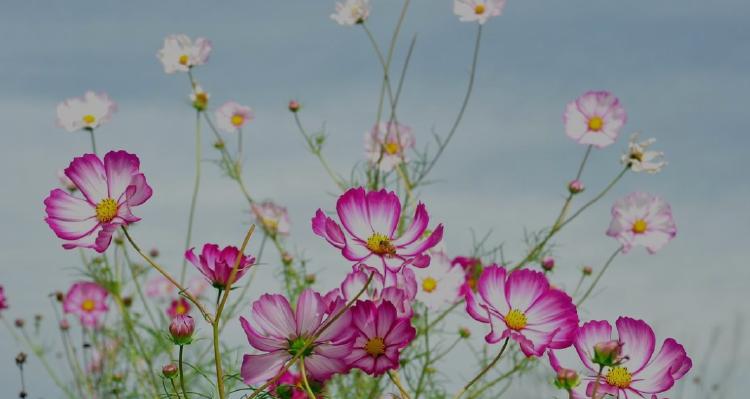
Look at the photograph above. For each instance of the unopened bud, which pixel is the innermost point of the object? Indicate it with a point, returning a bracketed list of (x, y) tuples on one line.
[(310, 279), (20, 323), (200, 100), (21, 358), (219, 144), (567, 379), (464, 332), (37, 318), (118, 240), (294, 106), (154, 253), (64, 325), (127, 301), (181, 328), (607, 353), (587, 270), (59, 296), (286, 258), (548, 263), (170, 370), (575, 186), (118, 377)]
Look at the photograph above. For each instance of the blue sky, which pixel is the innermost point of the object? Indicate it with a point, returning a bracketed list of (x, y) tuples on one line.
[(679, 67)]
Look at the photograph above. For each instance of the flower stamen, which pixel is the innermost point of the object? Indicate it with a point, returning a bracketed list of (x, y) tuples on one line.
[(479, 9), (88, 119), (380, 244), (88, 305), (596, 123), (375, 347), (619, 377), (640, 226), (516, 320), (184, 59), (429, 284), (106, 210)]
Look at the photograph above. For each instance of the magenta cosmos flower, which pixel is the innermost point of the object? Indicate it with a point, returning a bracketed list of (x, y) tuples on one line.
[(282, 333), (638, 372), (231, 116), (380, 336), (386, 145), (522, 306), (642, 219), (88, 301), (216, 263), (595, 118), (273, 217), (370, 220), (3, 299), (110, 189), (178, 307)]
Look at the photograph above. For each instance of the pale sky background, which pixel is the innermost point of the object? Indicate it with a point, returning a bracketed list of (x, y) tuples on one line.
[(680, 67)]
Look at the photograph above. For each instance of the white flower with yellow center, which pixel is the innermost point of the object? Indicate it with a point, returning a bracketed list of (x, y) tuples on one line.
[(351, 12), (386, 145), (87, 112), (231, 116), (438, 285), (199, 98), (639, 159), (180, 53), (477, 10)]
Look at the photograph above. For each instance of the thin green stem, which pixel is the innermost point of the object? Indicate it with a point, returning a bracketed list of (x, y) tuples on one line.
[(196, 188), (393, 375), (599, 276), (182, 378), (596, 198), (316, 150), (426, 365), (303, 372), (478, 392), (483, 371), (135, 343)]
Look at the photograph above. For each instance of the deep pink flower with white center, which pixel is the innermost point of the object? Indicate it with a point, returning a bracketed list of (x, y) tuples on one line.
[(273, 217), (370, 220), (399, 290), (87, 112), (88, 301), (216, 263), (386, 145), (180, 53), (282, 333), (639, 373), (522, 305), (595, 118), (3, 299), (232, 116), (380, 336), (477, 10), (642, 219), (178, 307), (110, 190)]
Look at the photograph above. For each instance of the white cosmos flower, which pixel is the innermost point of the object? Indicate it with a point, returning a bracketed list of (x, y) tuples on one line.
[(477, 10), (87, 112), (438, 285), (639, 159), (179, 53), (351, 12), (231, 116)]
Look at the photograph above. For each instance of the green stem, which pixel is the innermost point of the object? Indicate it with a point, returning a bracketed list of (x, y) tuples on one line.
[(595, 199), (492, 383), (397, 382), (599, 276), (597, 382), (182, 378), (196, 188), (303, 372), (423, 373), (315, 150), (483, 371)]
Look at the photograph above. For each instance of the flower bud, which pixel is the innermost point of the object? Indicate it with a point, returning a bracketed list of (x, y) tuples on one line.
[(59, 296), (20, 358), (154, 253), (118, 377), (127, 301), (587, 270), (310, 279), (548, 263), (607, 353), (170, 370), (294, 106), (219, 144), (567, 379), (20, 323), (118, 240), (181, 328), (64, 325), (286, 258), (464, 332), (575, 186), (200, 99)]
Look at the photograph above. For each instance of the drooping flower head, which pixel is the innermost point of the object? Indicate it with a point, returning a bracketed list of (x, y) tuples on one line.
[(3, 299), (642, 219), (640, 159), (273, 217), (281, 333), (231, 116), (216, 263), (472, 268), (522, 305), (178, 307), (379, 337), (110, 190), (477, 10), (595, 118), (179, 53), (88, 301), (440, 284), (87, 112), (386, 145), (370, 220), (398, 288), (638, 372), (351, 12)]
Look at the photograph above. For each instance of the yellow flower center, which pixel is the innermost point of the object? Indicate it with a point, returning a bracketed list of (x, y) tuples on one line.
[(380, 244), (106, 210), (238, 119), (429, 284), (88, 119), (391, 148), (636, 156), (596, 124), (515, 320), (619, 377), (180, 309), (479, 9), (375, 347), (270, 224), (640, 226), (88, 305), (184, 59)]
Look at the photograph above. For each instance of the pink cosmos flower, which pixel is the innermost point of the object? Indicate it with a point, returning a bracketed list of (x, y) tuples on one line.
[(231, 116), (179, 53), (399, 290), (439, 285), (380, 336), (642, 219), (282, 333), (273, 217), (477, 10), (386, 145), (88, 301), (3, 299), (371, 221), (522, 305), (638, 373), (110, 189), (87, 112), (216, 263), (595, 118), (290, 386), (159, 287), (178, 307), (472, 268)]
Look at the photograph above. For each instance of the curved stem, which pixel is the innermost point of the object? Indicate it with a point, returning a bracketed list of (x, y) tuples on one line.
[(483, 371), (303, 372), (397, 382), (174, 387), (196, 188), (182, 378), (598, 276), (597, 198), (492, 383), (426, 365)]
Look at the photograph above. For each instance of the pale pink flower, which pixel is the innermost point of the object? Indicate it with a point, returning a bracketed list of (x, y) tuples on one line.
[(522, 306), (273, 217), (87, 112), (386, 145), (639, 159), (642, 219), (477, 10), (595, 118), (231, 116), (88, 301), (217, 263), (110, 189), (398, 288), (351, 12), (180, 53), (159, 287), (440, 284)]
